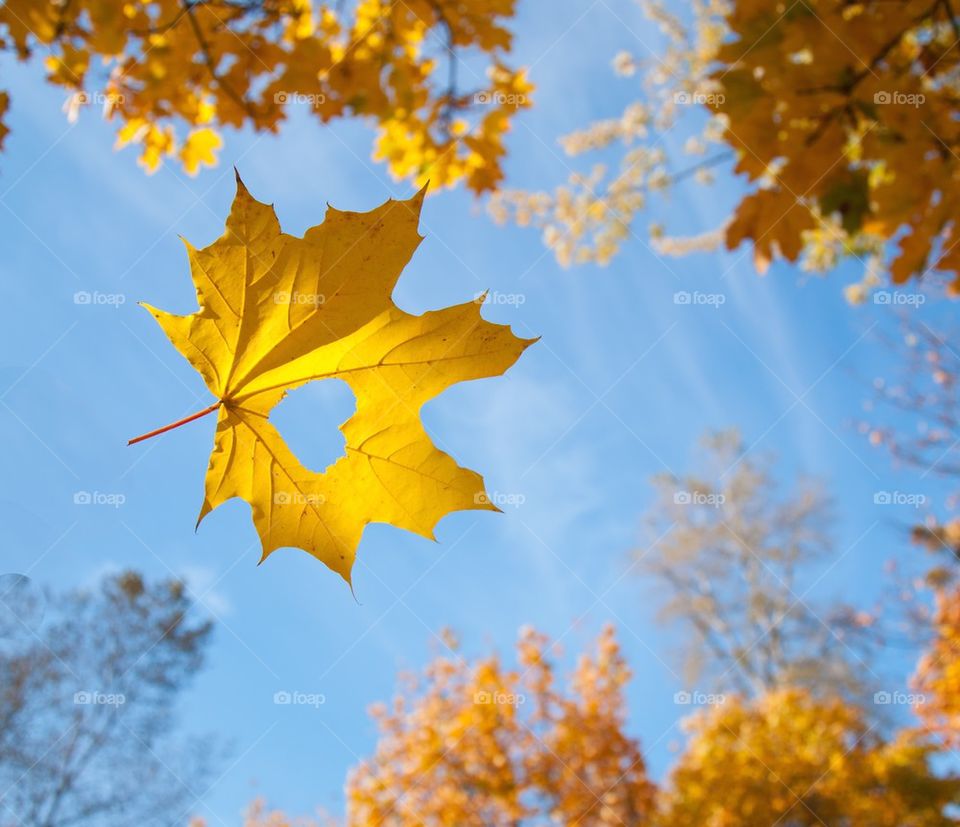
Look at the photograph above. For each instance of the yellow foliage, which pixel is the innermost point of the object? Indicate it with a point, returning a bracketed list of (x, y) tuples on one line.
[(842, 116), (169, 67), (938, 673), (277, 312), (475, 744), (848, 111), (789, 759), (200, 148)]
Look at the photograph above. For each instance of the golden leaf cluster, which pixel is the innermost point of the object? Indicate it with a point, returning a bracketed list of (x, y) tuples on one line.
[(846, 111), (175, 73), (787, 758), (476, 744), (841, 116), (938, 673)]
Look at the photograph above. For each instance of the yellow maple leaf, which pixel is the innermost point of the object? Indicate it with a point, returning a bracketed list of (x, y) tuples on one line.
[(278, 311)]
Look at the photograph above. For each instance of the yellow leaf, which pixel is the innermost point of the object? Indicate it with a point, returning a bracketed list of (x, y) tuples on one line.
[(200, 148), (276, 312)]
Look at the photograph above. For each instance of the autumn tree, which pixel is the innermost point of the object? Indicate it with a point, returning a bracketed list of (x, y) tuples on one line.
[(173, 74), (937, 680), (729, 551), (789, 759), (846, 113), (591, 215), (86, 719), (841, 117), (474, 744), (915, 415)]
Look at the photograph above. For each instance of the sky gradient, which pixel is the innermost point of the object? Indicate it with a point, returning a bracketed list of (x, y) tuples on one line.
[(620, 387)]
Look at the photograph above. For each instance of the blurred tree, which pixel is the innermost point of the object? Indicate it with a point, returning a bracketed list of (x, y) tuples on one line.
[(938, 673), (590, 217), (174, 73), (86, 709), (915, 415), (480, 744), (730, 553), (842, 116), (477, 744), (789, 759)]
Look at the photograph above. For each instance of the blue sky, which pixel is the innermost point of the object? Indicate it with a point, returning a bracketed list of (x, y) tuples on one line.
[(620, 387)]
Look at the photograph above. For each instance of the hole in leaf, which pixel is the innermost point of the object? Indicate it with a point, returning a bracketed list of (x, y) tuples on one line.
[(308, 419)]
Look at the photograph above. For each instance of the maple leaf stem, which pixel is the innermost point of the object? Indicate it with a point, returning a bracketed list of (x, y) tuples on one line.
[(176, 424)]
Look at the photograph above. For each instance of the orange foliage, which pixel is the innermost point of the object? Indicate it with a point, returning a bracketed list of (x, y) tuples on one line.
[(789, 759), (474, 745), (938, 673), (178, 71), (845, 113)]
